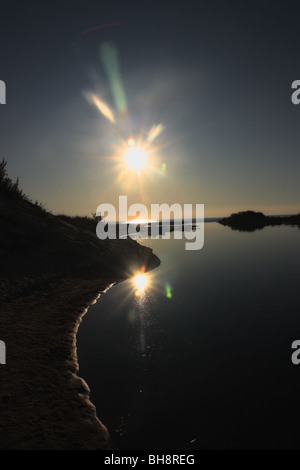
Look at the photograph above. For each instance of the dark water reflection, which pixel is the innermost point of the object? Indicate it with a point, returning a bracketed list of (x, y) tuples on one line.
[(211, 363)]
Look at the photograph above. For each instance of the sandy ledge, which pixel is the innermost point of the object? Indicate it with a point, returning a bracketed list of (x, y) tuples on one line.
[(50, 273), (43, 403)]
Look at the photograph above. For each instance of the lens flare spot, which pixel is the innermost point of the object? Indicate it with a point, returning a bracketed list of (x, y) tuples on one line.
[(110, 60), (131, 142), (131, 316), (101, 106), (155, 131), (168, 291)]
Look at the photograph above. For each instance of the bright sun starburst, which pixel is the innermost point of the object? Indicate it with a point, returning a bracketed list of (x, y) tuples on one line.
[(137, 161), (141, 281), (136, 158)]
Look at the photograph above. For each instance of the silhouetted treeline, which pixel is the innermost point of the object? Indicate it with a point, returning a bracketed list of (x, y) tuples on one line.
[(251, 220)]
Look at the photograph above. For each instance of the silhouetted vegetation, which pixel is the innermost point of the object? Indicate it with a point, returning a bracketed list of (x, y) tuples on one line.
[(250, 220), (12, 189), (7, 185), (83, 222)]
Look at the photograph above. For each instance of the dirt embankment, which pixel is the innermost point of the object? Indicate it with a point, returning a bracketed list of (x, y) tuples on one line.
[(50, 273)]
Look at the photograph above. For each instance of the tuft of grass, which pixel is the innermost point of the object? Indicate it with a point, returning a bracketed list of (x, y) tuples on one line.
[(7, 185), (12, 189)]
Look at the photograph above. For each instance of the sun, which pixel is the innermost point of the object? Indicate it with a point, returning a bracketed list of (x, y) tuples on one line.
[(141, 281), (136, 158)]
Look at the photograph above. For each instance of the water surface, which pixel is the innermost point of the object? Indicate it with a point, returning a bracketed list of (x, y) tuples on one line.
[(203, 359)]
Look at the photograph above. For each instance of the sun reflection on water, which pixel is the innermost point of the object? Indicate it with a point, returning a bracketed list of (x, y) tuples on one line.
[(141, 281)]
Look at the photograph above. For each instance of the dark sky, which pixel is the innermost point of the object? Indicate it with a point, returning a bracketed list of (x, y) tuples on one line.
[(217, 76)]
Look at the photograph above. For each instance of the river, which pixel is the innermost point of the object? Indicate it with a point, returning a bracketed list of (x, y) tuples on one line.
[(202, 358)]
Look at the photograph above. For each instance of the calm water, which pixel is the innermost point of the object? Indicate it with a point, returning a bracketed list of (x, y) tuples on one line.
[(212, 362)]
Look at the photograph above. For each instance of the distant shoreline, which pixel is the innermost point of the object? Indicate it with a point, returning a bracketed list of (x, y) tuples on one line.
[(249, 221)]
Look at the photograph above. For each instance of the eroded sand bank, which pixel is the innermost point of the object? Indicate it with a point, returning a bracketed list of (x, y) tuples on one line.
[(44, 404)]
